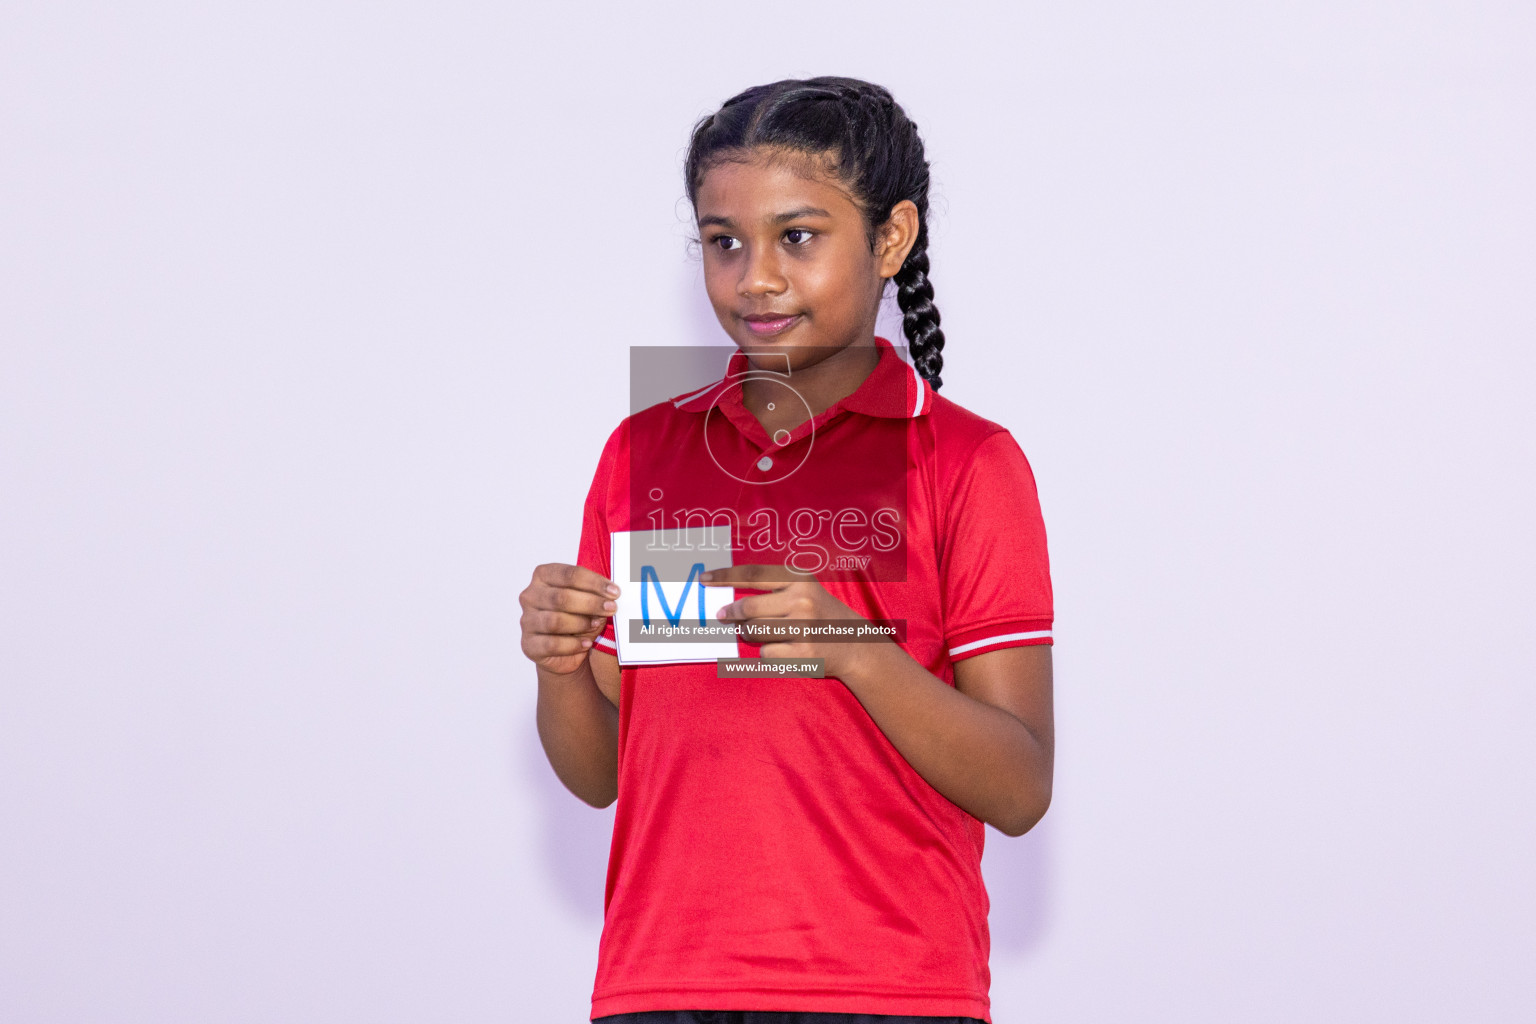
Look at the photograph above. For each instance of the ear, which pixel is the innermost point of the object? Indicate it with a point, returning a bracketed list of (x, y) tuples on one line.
[(895, 238)]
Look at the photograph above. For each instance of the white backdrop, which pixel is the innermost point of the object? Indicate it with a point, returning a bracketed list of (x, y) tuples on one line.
[(314, 320)]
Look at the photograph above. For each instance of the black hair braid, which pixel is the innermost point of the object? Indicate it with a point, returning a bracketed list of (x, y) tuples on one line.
[(919, 316), (876, 151)]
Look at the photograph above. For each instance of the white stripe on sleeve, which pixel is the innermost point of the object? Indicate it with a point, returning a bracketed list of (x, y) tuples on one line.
[(1003, 639)]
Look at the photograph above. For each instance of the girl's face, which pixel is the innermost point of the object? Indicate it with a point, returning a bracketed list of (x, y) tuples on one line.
[(787, 261)]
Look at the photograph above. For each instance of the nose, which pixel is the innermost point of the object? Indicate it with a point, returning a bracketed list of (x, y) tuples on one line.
[(761, 273)]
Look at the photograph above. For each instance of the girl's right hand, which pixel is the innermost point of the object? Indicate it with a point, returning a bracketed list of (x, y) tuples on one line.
[(564, 609)]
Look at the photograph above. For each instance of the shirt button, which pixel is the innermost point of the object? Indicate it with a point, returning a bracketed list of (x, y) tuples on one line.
[(765, 463)]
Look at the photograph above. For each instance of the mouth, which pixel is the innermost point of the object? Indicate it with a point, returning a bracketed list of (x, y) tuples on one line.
[(768, 324)]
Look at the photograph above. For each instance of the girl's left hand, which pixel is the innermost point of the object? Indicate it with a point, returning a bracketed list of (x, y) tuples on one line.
[(790, 595)]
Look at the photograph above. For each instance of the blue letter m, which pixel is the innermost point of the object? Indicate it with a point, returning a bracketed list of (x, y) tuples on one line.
[(648, 579)]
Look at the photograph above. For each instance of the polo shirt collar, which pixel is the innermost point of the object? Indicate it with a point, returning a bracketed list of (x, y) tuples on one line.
[(893, 389)]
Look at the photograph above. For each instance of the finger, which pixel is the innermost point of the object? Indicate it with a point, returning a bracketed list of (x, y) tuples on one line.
[(576, 577), (540, 645), (752, 577), (755, 606), (563, 623), (577, 602)]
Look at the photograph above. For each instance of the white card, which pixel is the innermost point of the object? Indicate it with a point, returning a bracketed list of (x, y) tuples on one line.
[(661, 595)]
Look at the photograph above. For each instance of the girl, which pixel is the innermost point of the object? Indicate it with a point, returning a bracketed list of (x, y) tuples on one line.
[(808, 848)]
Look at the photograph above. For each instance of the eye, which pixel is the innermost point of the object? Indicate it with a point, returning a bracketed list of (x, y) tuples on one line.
[(725, 242), (804, 235)]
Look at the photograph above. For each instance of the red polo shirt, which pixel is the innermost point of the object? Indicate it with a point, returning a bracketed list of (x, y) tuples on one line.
[(772, 850)]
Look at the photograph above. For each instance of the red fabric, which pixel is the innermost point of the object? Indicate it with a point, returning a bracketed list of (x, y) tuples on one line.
[(771, 849)]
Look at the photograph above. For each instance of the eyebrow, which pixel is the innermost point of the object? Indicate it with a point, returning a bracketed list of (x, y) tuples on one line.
[(779, 218)]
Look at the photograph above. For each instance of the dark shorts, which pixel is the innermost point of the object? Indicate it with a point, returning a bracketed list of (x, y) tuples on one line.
[(771, 1017)]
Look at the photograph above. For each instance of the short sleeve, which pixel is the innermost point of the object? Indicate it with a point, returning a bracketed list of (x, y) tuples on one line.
[(994, 568), (595, 549)]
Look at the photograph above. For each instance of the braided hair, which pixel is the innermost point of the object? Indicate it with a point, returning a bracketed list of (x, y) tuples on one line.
[(875, 150)]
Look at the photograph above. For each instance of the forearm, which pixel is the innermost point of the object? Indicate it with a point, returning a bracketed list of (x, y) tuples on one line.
[(982, 758), (579, 728)]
